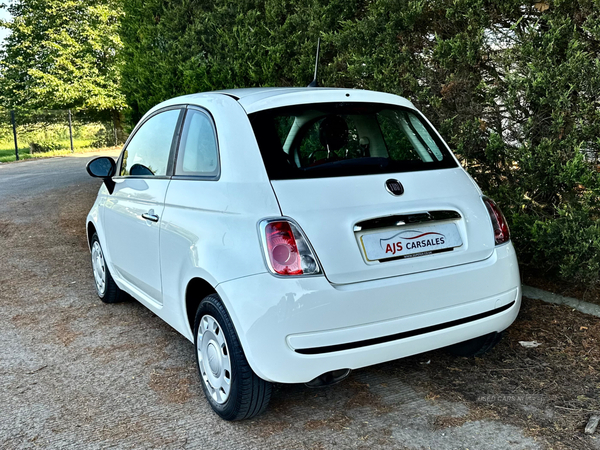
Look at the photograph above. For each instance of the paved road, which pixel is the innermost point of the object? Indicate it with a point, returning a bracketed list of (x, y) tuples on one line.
[(76, 373), (30, 178)]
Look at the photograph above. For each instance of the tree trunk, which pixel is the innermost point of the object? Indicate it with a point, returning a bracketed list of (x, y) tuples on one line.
[(119, 134)]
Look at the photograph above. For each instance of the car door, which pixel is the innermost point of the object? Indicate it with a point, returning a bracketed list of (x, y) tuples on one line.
[(193, 224), (132, 214)]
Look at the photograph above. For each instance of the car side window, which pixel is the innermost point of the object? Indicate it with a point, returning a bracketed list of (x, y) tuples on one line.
[(147, 153), (198, 154)]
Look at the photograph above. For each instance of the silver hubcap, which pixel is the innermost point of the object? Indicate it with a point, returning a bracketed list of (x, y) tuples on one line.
[(213, 359), (99, 267)]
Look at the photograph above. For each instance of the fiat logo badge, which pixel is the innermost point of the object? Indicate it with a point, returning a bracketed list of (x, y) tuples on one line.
[(394, 187)]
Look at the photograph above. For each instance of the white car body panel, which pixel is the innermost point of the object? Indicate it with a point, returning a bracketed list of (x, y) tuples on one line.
[(203, 218), (307, 311), (208, 229), (258, 99), (132, 239), (328, 220), (200, 222)]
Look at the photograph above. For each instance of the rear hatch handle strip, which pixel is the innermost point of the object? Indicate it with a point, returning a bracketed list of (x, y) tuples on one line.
[(407, 219)]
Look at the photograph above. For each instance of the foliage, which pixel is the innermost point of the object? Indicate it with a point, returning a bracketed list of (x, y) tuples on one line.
[(45, 146), (102, 137), (49, 132), (62, 54), (513, 87), (185, 46), (7, 154)]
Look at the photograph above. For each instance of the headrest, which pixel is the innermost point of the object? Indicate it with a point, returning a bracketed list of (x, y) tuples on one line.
[(333, 132)]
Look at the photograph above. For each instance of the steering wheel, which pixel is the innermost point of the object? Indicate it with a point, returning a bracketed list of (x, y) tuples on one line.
[(332, 156)]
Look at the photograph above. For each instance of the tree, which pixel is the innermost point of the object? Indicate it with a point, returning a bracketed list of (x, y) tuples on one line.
[(512, 86), (63, 54), (185, 46)]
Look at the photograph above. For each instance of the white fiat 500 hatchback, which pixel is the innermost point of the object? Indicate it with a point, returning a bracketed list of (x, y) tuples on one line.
[(296, 234)]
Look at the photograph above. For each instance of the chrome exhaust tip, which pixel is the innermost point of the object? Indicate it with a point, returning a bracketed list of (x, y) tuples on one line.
[(329, 378)]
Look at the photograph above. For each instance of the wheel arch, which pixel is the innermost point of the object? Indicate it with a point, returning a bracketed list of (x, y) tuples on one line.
[(90, 230), (196, 290)]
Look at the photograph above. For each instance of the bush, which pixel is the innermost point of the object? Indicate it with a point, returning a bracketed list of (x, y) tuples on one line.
[(572, 242), (45, 146), (512, 86), (103, 138)]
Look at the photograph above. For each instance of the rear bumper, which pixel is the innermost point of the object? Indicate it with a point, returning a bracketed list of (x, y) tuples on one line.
[(296, 329)]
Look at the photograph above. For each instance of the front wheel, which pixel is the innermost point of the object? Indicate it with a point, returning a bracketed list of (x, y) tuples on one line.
[(106, 288), (233, 390)]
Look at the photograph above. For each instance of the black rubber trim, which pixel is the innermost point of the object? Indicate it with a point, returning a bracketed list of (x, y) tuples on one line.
[(408, 219), (403, 335)]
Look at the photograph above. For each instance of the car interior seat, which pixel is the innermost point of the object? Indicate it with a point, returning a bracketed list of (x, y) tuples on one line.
[(333, 134)]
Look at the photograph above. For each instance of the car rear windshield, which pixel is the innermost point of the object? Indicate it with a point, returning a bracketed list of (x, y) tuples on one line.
[(344, 139)]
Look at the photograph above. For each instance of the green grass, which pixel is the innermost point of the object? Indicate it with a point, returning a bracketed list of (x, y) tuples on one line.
[(7, 150)]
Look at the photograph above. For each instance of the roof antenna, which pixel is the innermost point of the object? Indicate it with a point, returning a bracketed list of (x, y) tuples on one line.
[(314, 82)]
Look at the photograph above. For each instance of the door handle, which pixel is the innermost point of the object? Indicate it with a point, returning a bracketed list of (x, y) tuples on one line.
[(150, 216)]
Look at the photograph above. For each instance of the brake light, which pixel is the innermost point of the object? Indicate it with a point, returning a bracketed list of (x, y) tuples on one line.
[(287, 250), (501, 231)]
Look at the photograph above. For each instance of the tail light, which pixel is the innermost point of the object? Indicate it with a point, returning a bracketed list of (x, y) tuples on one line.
[(287, 250), (501, 231)]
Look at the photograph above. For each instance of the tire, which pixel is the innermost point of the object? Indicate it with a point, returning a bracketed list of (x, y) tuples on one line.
[(232, 389), (106, 288), (475, 347)]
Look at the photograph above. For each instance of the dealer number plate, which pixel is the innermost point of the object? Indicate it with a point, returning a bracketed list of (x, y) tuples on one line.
[(410, 241)]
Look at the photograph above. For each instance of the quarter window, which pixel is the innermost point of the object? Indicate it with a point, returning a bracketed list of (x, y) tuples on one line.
[(198, 154), (147, 154)]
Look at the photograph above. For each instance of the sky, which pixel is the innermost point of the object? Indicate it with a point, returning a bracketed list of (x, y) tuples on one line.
[(5, 15)]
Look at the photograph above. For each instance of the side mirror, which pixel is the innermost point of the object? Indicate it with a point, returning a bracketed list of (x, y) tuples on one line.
[(103, 167)]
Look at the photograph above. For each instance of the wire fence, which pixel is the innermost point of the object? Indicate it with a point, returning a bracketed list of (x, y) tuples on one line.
[(27, 133)]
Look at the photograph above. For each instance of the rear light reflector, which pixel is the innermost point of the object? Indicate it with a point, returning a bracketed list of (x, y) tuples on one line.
[(286, 249), (501, 231)]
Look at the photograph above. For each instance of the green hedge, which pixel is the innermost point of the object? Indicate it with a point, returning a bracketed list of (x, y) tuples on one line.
[(513, 87)]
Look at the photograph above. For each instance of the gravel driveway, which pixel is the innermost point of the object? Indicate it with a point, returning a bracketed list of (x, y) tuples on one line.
[(76, 373)]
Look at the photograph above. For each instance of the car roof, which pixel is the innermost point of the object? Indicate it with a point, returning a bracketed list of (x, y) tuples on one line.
[(259, 99)]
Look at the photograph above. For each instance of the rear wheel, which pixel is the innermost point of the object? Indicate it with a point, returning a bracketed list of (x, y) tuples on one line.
[(106, 288), (233, 390), (475, 347)]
